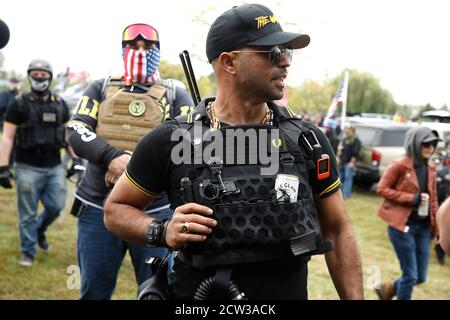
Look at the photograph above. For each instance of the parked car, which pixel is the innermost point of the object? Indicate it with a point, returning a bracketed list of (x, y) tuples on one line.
[(437, 115), (381, 143)]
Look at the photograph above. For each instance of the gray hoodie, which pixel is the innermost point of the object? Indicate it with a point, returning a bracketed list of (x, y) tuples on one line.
[(413, 143)]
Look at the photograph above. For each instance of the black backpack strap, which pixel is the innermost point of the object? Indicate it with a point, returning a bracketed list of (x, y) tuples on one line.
[(302, 136)]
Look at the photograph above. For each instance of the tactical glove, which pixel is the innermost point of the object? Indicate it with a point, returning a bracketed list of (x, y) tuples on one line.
[(5, 176)]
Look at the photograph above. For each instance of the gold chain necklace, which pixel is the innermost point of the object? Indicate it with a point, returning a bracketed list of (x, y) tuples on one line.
[(215, 123)]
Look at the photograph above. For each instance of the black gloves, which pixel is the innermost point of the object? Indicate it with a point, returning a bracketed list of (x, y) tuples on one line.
[(5, 176)]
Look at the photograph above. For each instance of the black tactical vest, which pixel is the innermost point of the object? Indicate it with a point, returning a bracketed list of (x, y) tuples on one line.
[(255, 223), (44, 128)]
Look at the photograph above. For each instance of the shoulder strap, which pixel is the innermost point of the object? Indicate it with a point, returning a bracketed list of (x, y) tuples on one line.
[(183, 121), (104, 86), (302, 136), (157, 91), (171, 90), (108, 83)]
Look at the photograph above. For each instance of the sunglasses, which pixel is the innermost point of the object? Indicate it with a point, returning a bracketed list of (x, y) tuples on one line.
[(429, 144), (275, 54), (133, 31)]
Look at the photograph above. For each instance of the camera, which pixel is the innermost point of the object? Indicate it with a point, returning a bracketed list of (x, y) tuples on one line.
[(157, 287)]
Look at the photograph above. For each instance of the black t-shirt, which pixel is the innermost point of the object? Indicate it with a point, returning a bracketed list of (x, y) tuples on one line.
[(352, 147), (151, 170), (258, 281), (422, 178), (18, 114), (94, 148)]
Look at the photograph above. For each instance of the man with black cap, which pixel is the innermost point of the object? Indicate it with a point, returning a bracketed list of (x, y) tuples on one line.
[(35, 126), (243, 229)]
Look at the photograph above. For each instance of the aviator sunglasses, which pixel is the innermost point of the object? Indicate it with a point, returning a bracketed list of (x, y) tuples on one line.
[(275, 54)]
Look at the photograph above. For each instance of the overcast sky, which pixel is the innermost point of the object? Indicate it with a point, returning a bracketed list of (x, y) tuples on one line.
[(403, 43)]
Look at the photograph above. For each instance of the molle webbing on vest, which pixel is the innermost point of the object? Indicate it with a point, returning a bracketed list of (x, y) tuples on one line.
[(125, 117), (253, 223), (44, 128)]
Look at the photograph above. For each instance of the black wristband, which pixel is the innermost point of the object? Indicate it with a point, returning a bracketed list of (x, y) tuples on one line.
[(163, 233)]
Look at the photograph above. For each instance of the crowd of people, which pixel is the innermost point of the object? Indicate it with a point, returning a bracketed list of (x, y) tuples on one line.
[(153, 195)]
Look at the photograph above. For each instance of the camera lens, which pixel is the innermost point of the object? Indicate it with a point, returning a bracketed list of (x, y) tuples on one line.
[(209, 191)]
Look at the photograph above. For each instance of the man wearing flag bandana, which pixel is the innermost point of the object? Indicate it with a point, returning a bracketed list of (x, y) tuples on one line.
[(111, 116)]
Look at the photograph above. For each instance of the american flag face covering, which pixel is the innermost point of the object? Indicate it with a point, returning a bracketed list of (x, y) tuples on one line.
[(141, 65)]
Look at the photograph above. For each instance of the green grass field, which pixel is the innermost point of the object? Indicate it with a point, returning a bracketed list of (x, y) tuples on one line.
[(54, 275)]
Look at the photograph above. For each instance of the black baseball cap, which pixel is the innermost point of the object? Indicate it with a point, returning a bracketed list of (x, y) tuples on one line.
[(249, 25)]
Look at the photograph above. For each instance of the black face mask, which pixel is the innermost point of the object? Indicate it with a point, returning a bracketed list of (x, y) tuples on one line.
[(39, 85)]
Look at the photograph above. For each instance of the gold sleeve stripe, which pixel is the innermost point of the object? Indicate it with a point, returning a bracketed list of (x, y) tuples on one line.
[(333, 186), (189, 119), (10, 123), (138, 186), (291, 113)]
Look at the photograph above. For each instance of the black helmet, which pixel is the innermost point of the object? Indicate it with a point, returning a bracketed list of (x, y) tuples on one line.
[(42, 65)]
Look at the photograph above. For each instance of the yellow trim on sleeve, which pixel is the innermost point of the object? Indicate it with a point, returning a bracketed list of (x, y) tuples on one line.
[(139, 187), (330, 188), (10, 123), (291, 113)]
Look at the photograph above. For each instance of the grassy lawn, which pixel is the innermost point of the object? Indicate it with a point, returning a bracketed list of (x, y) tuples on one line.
[(54, 274)]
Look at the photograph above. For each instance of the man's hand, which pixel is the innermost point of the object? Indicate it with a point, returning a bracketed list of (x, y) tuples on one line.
[(116, 168), (352, 162), (190, 223), (5, 176)]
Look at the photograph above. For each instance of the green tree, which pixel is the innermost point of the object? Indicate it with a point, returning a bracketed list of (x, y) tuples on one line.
[(312, 96), (207, 85), (365, 94), (171, 71)]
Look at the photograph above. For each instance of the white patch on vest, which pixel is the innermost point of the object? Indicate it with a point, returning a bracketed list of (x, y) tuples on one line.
[(286, 184)]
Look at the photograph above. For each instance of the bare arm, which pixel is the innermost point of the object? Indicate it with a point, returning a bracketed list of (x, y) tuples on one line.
[(124, 217), (344, 262), (443, 219), (9, 132)]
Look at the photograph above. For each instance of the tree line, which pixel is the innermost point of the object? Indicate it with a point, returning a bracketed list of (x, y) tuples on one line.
[(365, 93)]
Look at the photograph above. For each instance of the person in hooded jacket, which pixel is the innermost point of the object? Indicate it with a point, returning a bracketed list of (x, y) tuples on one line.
[(407, 184)]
